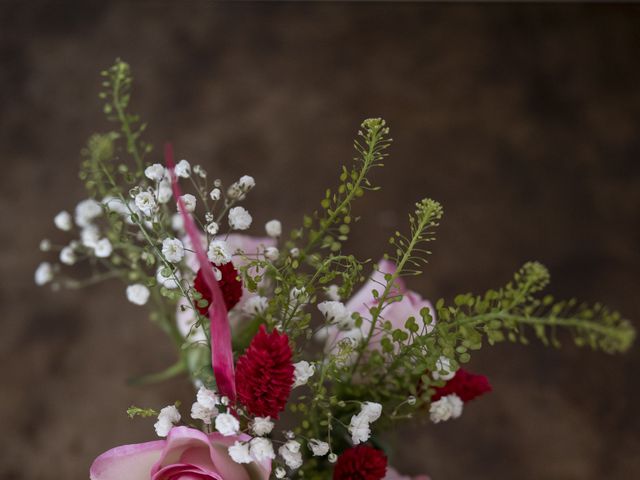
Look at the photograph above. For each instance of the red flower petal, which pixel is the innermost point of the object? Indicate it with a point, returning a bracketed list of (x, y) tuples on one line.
[(230, 285), (464, 384), (361, 463), (264, 374)]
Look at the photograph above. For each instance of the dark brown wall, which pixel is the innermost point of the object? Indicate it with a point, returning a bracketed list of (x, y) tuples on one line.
[(522, 120)]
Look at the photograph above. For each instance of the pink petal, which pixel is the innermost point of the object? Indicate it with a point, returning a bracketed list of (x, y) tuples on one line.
[(127, 462)]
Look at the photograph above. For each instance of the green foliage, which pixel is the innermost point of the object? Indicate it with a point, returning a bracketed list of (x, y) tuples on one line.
[(134, 411)]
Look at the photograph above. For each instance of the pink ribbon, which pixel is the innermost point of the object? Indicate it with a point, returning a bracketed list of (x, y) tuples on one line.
[(221, 351)]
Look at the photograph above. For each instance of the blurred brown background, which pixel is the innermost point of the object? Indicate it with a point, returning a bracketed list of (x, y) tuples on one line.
[(522, 119)]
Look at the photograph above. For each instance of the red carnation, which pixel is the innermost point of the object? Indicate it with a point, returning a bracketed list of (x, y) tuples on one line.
[(230, 285), (464, 384), (361, 463), (264, 374)]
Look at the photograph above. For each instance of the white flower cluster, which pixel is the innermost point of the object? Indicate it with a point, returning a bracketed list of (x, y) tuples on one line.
[(167, 418), (359, 427), (303, 371), (206, 405), (336, 313), (447, 407)]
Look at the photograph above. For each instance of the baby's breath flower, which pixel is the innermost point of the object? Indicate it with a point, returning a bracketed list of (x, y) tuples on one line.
[(172, 249), (271, 253), (333, 458), (239, 452), (215, 194), (262, 426), (445, 408), (227, 424), (43, 274), (115, 204), (103, 248), (332, 292), (295, 252), (167, 417), (45, 245), (207, 398), (138, 294), (273, 228), (212, 228), (255, 305), (63, 221), (302, 373), (336, 312), (168, 280), (318, 447), (86, 211), (239, 189), (219, 252), (280, 472), (290, 452), (177, 222), (146, 203), (165, 191), (89, 236), (189, 202), (371, 411), (239, 218), (198, 170), (183, 169), (443, 369), (261, 449), (67, 255), (200, 412), (154, 172)]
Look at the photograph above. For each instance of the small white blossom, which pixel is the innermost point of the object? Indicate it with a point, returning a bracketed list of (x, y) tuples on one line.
[(335, 312), (115, 204), (302, 373), (215, 194), (177, 222), (239, 218), (333, 458), (207, 398), (359, 429), (443, 369), (332, 292), (290, 452), (273, 228), (167, 417), (86, 211), (63, 221), (200, 412), (255, 305), (227, 424), (189, 202), (271, 253), (103, 248), (89, 236), (262, 426), (239, 189), (219, 252), (44, 274), (67, 255), (261, 449), (371, 411), (295, 252), (154, 172), (168, 281), (299, 294), (138, 294), (146, 203), (224, 400), (445, 408), (239, 452), (212, 228), (183, 169), (45, 245), (280, 472), (318, 447), (164, 191), (172, 249), (198, 170)]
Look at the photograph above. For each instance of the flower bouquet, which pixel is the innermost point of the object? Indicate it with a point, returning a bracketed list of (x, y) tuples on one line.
[(302, 355)]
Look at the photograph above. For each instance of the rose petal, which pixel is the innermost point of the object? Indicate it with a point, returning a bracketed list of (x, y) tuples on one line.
[(127, 462)]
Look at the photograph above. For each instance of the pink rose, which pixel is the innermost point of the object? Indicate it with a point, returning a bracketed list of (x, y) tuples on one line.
[(186, 454), (394, 475), (397, 312)]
